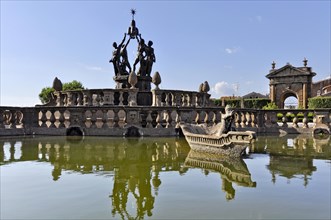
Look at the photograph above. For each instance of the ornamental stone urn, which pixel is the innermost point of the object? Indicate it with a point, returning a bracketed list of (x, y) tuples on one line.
[(200, 87), (156, 80), (205, 87), (57, 84), (133, 79)]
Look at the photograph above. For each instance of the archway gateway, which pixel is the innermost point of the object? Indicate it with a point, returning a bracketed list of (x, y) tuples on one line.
[(291, 81)]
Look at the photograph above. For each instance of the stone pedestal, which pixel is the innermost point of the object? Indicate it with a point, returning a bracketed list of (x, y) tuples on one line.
[(144, 83), (121, 81)]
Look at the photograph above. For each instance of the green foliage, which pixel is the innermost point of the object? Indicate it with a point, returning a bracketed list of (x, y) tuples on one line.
[(233, 103), (217, 102), (270, 106), (73, 85), (300, 116), (46, 94), (257, 103), (319, 102)]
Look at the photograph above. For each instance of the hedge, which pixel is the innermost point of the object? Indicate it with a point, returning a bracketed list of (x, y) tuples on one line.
[(257, 103), (319, 102)]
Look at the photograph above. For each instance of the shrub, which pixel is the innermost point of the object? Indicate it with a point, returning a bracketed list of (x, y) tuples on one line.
[(270, 106), (257, 103), (319, 102), (46, 94), (73, 85)]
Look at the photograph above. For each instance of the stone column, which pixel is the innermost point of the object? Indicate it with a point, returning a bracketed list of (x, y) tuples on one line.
[(304, 96)]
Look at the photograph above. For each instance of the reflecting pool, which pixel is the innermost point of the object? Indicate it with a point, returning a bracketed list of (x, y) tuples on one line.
[(160, 178)]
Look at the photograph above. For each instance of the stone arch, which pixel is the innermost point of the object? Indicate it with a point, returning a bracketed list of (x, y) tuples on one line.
[(75, 131), (289, 80)]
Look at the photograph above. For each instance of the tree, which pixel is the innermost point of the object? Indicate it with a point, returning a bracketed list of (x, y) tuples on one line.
[(73, 85), (46, 93)]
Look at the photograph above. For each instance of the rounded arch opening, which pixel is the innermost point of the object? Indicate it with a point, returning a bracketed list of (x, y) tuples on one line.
[(75, 131), (290, 101)]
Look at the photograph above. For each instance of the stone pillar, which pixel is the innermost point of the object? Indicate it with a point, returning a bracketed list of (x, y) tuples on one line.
[(273, 93), (304, 96), (132, 99), (108, 97), (156, 97)]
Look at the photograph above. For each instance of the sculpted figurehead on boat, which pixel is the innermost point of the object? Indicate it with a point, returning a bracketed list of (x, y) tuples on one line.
[(220, 138)]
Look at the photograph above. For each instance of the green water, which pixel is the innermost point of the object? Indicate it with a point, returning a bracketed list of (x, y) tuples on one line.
[(115, 178)]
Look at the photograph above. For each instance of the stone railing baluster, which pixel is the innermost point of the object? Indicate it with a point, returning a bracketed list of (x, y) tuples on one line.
[(93, 118), (295, 121), (169, 119), (61, 119), (121, 98), (178, 119), (158, 119), (248, 119), (243, 120), (284, 120), (305, 120), (52, 119), (104, 118), (14, 121), (197, 118), (43, 118), (237, 119), (149, 120), (116, 119)]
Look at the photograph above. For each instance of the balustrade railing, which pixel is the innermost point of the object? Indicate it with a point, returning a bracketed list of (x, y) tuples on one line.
[(106, 117), (96, 97), (180, 98)]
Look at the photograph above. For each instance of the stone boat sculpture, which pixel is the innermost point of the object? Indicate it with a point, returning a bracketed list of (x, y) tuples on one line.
[(220, 138)]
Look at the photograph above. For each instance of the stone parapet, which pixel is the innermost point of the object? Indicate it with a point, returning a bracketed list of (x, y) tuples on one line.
[(107, 120)]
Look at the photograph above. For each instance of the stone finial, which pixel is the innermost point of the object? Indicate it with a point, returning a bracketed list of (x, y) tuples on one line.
[(205, 87), (305, 61), (200, 87), (57, 84), (273, 65), (133, 79), (156, 79)]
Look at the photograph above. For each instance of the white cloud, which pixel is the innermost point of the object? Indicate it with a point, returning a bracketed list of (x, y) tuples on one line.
[(223, 89), (258, 18), (232, 50)]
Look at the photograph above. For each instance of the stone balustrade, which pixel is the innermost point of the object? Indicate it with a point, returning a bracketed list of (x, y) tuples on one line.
[(180, 98), (96, 97), (116, 120)]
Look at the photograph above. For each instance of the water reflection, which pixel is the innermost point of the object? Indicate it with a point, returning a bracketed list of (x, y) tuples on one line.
[(232, 170), (292, 156), (135, 164)]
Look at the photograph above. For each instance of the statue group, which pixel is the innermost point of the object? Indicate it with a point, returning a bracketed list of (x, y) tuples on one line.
[(145, 54)]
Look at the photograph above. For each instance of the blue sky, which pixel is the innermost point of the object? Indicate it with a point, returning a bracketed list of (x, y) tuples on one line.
[(231, 44)]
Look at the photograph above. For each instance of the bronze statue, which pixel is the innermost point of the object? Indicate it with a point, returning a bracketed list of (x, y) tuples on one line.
[(133, 31), (116, 56), (124, 60), (150, 58), (141, 54)]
